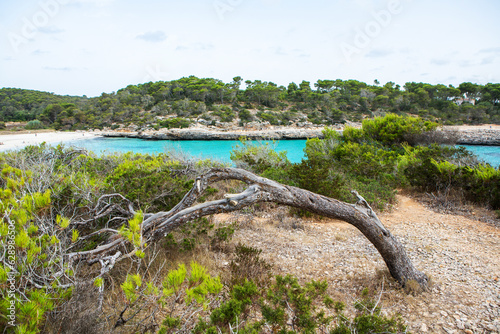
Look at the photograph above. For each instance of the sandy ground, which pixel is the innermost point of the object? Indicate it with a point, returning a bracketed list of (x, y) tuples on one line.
[(461, 255), (474, 127), (17, 141)]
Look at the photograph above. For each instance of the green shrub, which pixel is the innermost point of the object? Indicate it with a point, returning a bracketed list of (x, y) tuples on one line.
[(34, 125), (367, 320), (232, 311), (245, 116), (31, 247), (442, 169), (285, 306), (366, 160), (258, 158), (394, 129), (270, 117), (176, 122), (320, 178), (288, 304), (225, 114), (336, 165), (155, 181), (351, 134), (181, 295)]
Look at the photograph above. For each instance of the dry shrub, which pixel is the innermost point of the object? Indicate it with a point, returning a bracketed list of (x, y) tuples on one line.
[(444, 137), (246, 264), (80, 315), (412, 288), (375, 280), (284, 221), (453, 202), (290, 223)]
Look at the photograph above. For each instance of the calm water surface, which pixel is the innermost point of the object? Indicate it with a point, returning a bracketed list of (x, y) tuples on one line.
[(213, 149), (489, 154), (220, 149)]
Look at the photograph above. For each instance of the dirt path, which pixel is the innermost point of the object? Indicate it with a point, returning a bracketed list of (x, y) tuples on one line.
[(461, 255)]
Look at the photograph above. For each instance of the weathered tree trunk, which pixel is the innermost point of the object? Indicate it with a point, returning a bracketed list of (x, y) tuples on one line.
[(156, 226)]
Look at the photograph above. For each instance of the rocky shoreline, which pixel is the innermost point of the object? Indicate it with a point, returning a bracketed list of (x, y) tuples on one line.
[(480, 136), (469, 135), (211, 134)]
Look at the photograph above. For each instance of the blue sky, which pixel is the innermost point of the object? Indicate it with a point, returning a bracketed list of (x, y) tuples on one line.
[(86, 47)]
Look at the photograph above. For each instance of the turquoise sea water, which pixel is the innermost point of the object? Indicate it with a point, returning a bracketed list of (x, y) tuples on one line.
[(489, 154), (220, 149), (213, 149)]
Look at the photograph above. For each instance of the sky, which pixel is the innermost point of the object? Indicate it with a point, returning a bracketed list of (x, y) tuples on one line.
[(90, 47)]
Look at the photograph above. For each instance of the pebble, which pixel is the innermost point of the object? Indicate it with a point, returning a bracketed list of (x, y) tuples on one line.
[(460, 300), (491, 327), (448, 330)]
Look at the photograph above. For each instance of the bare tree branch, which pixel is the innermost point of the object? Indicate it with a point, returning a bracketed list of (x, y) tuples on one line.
[(360, 215)]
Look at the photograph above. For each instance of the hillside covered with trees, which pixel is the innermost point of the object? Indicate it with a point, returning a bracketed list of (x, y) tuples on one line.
[(208, 101)]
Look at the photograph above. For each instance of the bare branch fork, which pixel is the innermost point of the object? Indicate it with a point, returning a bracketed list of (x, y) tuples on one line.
[(156, 226)]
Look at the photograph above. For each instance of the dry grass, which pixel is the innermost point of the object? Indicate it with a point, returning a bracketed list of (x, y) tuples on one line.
[(453, 203), (336, 252), (78, 316)]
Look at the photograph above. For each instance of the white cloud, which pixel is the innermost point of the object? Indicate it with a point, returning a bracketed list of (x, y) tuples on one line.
[(440, 61), (98, 3), (379, 53), (63, 69), (50, 30), (153, 36)]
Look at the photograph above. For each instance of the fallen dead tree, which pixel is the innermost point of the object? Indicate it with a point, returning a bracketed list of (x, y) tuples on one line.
[(156, 226)]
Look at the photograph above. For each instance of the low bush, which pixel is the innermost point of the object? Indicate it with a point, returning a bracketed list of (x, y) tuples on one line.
[(442, 169), (156, 181), (258, 158), (34, 279), (245, 116), (336, 165), (225, 113), (176, 122), (199, 232), (269, 116), (395, 129), (285, 306), (34, 125)]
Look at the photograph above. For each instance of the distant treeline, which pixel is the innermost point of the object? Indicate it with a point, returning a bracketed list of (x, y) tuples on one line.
[(189, 98)]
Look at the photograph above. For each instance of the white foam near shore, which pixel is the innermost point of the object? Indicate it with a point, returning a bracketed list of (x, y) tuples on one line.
[(18, 141)]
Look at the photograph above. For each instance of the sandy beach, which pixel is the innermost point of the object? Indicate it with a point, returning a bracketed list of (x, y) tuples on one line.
[(18, 141)]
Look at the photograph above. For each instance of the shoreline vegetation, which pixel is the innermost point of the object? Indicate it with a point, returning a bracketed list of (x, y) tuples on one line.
[(487, 134)]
